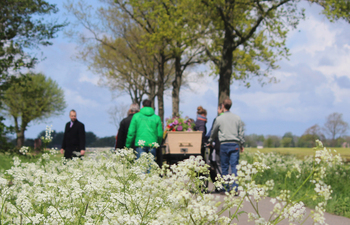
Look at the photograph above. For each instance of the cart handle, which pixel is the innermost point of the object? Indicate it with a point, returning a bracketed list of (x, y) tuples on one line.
[(185, 144)]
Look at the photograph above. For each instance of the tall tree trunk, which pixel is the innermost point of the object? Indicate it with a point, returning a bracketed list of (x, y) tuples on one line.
[(176, 87), (152, 91), (20, 138), (160, 94), (225, 68), (19, 132)]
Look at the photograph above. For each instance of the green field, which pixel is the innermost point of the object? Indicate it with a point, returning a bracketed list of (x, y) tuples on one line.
[(300, 152), (6, 160)]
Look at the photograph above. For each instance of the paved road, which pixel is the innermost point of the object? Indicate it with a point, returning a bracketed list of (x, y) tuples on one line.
[(265, 207)]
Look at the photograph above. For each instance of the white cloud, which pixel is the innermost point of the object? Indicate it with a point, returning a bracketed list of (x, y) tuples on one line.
[(315, 36), (73, 98), (89, 78)]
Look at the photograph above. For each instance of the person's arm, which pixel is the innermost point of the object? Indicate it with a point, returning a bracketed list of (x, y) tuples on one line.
[(131, 132), (160, 132), (81, 133), (214, 132), (211, 129), (122, 132), (241, 135), (63, 146)]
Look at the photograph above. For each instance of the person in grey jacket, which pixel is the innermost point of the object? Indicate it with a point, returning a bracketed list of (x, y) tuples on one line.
[(229, 128)]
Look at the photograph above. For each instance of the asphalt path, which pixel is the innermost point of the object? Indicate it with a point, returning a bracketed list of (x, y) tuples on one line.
[(265, 207)]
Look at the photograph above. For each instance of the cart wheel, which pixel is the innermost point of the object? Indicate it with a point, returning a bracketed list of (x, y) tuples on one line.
[(215, 165), (207, 161)]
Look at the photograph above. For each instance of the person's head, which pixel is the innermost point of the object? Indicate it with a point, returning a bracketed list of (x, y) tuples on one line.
[(73, 115), (147, 103), (134, 108), (201, 111), (227, 103), (220, 109)]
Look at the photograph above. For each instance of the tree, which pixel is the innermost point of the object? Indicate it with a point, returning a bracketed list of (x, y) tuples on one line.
[(316, 131), (313, 133), (22, 26), (307, 141), (288, 140), (104, 142), (32, 97), (246, 38), (113, 48), (335, 126), (90, 138), (171, 28), (253, 139), (117, 113), (272, 141)]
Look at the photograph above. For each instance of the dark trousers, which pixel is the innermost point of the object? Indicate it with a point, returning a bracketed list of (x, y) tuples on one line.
[(68, 152)]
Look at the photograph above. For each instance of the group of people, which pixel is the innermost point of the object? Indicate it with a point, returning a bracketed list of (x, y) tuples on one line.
[(142, 130), (226, 137)]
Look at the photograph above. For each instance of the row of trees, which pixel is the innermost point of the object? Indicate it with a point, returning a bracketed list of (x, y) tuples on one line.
[(57, 137), (144, 47), (24, 27), (331, 134)]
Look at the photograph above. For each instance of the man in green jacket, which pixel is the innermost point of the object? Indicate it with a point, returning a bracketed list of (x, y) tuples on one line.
[(145, 130)]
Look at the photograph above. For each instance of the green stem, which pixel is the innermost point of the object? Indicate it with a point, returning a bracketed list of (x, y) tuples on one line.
[(256, 210), (234, 215), (145, 209), (22, 212), (192, 219), (305, 219), (289, 200)]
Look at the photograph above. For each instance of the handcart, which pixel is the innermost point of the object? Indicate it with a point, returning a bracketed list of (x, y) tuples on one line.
[(180, 145)]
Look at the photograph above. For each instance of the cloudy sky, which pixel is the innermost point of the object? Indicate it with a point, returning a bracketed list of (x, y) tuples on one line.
[(313, 83)]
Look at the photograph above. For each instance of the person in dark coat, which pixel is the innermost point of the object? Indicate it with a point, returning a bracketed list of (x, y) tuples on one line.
[(73, 144), (201, 126), (216, 141), (124, 127)]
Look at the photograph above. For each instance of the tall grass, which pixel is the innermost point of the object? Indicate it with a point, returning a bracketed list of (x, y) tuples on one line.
[(282, 172)]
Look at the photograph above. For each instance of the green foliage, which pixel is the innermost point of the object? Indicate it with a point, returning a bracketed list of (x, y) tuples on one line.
[(32, 97), (246, 38), (283, 172), (335, 9), (5, 143), (307, 140), (272, 141), (90, 138), (6, 159), (24, 27), (253, 139), (104, 142)]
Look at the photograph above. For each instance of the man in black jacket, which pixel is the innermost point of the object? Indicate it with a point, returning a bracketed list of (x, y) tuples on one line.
[(73, 144), (124, 126)]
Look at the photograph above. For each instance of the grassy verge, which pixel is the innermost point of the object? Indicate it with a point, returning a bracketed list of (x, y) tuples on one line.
[(299, 152), (281, 164), (6, 160)]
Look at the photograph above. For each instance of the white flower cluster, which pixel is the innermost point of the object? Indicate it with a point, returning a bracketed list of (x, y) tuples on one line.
[(155, 145), (24, 150), (114, 188), (53, 151), (141, 143), (48, 137)]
